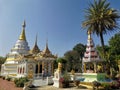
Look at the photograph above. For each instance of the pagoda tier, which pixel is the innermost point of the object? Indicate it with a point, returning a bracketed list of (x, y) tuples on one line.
[(91, 54), (21, 47)]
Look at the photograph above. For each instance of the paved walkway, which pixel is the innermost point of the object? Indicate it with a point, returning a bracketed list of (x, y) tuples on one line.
[(8, 85), (81, 87)]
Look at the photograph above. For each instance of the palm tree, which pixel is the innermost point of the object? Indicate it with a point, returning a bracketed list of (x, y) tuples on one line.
[(100, 18)]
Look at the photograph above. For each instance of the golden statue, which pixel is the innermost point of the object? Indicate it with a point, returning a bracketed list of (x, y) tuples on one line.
[(59, 67)]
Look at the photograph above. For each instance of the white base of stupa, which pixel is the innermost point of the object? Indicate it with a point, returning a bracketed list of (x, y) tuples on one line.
[(56, 83)]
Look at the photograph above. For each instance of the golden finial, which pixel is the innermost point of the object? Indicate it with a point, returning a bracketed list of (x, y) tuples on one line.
[(22, 35)]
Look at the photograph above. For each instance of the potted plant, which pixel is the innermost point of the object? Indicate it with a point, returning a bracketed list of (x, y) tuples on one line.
[(64, 80), (61, 80)]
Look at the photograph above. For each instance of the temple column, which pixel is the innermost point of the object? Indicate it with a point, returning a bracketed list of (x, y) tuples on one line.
[(43, 64), (47, 67), (38, 68)]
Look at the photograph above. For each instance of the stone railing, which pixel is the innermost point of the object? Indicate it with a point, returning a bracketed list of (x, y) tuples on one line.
[(49, 80), (37, 76)]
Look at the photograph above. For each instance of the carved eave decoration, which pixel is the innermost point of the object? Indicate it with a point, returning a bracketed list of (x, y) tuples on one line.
[(45, 56), (26, 57)]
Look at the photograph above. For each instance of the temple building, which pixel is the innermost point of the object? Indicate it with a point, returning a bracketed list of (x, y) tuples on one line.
[(92, 63), (21, 61)]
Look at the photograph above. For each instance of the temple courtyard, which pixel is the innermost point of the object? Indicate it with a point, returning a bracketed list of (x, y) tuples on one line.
[(9, 85), (33, 69)]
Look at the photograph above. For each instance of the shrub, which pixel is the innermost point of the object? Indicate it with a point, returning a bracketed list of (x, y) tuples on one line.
[(8, 78), (115, 84), (16, 80), (21, 81), (107, 86), (96, 84), (65, 80), (114, 75), (66, 77), (3, 78), (20, 84)]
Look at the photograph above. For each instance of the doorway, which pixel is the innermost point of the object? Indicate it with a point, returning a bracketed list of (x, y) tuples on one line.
[(40, 68), (36, 70)]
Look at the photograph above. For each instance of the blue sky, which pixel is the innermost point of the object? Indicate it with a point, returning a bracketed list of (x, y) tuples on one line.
[(58, 20)]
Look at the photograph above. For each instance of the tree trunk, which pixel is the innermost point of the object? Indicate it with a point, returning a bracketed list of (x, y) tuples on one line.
[(102, 43)]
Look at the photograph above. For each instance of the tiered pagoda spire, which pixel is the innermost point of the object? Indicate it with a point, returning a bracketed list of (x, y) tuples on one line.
[(91, 54), (21, 46), (35, 49), (46, 50)]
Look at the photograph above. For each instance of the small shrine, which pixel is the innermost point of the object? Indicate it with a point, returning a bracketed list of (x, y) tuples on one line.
[(57, 76), (92, 63)]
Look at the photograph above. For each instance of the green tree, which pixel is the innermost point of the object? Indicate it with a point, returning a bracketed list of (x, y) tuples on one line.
[(106, 58), (63, 61), (110, 62), (99, 49), (100, 18), (73, 60), (2, 61), (114, 44), (80, 48), (55, 64)]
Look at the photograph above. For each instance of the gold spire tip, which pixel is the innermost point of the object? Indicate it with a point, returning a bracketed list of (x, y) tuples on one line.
[(22, 35)]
